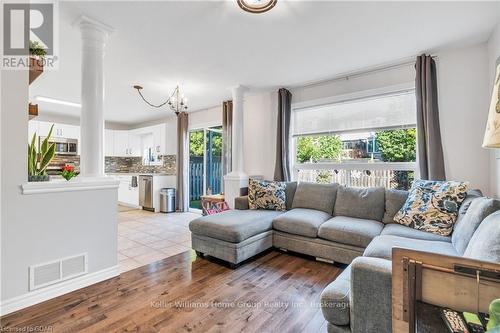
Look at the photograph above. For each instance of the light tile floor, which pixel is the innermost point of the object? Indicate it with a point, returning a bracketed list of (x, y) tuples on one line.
[(145, 237)]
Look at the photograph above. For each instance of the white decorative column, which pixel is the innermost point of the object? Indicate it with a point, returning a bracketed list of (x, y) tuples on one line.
[(94, 35), (236, 179)]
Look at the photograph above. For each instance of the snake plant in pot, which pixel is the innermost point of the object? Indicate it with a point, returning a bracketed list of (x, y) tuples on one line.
[(38, 162)]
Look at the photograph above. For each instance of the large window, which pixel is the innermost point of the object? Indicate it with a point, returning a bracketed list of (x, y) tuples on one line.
[(367, 141)]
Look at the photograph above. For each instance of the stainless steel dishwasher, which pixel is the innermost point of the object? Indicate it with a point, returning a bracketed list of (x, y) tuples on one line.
[(146, 192)]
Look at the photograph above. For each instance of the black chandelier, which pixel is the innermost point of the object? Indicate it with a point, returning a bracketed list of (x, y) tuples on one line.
[(177, 102)]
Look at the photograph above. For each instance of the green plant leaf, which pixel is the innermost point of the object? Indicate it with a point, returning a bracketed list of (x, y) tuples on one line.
[(45, 143), (30, 165), (47, 158), (32, 156)]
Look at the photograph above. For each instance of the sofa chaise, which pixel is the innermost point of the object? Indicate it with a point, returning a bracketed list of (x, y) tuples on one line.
[(351, 226)]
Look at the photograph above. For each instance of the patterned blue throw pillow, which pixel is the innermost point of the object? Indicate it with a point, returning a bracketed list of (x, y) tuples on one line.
[(264, 194), (432, 206)]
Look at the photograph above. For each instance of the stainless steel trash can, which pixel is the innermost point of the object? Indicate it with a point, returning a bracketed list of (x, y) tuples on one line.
[(167, 200)]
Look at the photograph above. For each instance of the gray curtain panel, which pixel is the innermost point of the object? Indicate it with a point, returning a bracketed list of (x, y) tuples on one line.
[(282, 166), (182, 162), (429, 146), (227, 128)]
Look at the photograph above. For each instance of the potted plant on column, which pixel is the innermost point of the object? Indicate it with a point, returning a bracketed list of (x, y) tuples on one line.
[(38, 163), (36, 59)]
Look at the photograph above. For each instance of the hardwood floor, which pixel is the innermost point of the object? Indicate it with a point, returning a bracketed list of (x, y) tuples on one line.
[(276, 292)]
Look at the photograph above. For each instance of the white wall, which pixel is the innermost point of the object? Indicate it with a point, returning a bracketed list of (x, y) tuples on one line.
[(493, 56), (463, 84), (342, 86), (463, 94), (43, 227), (259, 137), (206, 118)]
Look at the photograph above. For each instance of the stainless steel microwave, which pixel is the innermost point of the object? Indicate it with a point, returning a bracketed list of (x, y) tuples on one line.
[(64, 146)]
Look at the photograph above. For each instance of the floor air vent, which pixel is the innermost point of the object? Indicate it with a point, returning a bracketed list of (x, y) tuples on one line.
[(56, 271)]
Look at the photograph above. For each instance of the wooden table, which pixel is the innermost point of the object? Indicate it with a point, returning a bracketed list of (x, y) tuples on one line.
[(210, 201), (439, 280)]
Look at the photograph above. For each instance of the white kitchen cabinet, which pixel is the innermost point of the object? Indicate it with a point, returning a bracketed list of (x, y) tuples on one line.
[(109, 142), (59, 130), (134, 144), (128, 195), (170, 138), (126, 144), (159, 139), (120, 144)]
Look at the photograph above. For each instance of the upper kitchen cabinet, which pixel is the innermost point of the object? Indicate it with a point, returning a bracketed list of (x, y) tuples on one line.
[(126, 144), (159, 139), (134, 144), (59, 130), (109, 142), (170, 140), (120, 143)]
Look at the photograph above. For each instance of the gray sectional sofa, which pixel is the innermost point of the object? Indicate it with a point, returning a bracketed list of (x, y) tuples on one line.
[(351, 226)]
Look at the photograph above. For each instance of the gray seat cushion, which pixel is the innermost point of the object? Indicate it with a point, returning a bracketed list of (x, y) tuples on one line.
[(364, 203), (234, 226), (472, 213), (350, 230), (381, 246), (394, 200), (335, 299), (315, 196), (485, 243), (395, 229), (301, 221)]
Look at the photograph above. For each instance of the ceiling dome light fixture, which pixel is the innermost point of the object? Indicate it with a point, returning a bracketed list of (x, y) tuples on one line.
[(177, 102), (257, 6)]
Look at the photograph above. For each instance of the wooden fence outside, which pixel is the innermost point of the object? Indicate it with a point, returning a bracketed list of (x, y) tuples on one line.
[(357, 178), (214, 179)]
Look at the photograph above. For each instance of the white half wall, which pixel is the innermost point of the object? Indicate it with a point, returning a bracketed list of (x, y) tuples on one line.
[(40, 228)]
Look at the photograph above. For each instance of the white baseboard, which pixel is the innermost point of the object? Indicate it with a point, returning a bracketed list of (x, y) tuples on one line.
[(49, 292), (126, 204)]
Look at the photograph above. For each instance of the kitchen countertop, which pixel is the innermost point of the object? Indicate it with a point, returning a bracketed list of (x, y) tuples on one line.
[(138, 174)]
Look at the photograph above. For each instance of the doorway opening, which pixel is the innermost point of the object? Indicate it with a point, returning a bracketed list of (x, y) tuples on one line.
[(205, 164)]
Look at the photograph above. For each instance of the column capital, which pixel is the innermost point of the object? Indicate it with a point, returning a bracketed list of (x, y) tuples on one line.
[(94, 27), (238, 91)]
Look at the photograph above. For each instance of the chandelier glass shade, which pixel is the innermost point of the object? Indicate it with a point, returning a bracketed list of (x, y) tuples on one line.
[(176, 101)]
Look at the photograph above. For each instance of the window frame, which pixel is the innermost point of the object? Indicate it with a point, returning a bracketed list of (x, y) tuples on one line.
[(372, 93)]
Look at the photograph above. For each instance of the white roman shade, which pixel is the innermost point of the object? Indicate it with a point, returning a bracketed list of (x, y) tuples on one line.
[(387, 111)]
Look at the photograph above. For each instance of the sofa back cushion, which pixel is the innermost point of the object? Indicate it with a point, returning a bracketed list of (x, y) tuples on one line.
[(315, 196), (394, 200), (485, 243), (364, 203), (478, 209), (290, 189)]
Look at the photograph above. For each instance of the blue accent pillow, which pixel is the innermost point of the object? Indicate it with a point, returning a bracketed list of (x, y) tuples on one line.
[(264, 194), (432, 206)]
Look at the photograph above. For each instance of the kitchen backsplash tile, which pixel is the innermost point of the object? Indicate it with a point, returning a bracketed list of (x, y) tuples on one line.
[(134, 165), (59, 161)]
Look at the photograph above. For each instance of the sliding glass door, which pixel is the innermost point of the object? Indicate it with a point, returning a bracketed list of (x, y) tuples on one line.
[(205, 170)]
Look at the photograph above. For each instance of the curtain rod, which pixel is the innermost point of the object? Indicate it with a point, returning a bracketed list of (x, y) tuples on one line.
[(362, 72)]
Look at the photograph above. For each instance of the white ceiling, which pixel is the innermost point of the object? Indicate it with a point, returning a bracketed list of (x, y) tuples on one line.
[(210, 46)]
